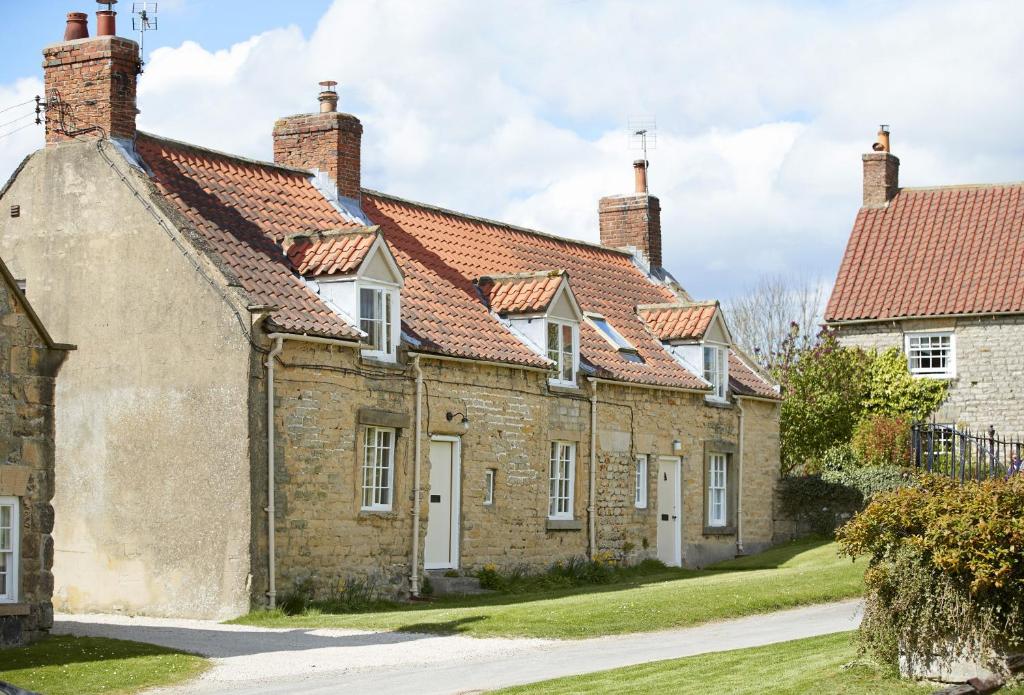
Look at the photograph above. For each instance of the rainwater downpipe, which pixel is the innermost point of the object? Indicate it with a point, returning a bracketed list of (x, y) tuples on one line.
[(739, 484), (592, 501), (271, 516), (414, 577)]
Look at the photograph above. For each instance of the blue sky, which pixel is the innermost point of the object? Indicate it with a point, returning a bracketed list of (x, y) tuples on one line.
[(518, 110)]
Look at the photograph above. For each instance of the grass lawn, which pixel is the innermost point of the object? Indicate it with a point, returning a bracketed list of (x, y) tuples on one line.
[(792, 575), (65, 665), (827, 664)]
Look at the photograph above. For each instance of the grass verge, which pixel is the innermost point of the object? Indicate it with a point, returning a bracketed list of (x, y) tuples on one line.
[(793, 575), (827, 664), (65, 665)]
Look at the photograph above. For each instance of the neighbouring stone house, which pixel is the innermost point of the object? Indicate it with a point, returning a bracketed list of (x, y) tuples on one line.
[(29, 362), (439, 391), (937, 272)]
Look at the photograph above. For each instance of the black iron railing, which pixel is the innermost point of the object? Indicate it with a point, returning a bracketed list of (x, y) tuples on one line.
[(964, 455)]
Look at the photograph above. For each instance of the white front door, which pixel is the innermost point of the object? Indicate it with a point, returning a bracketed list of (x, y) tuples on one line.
[(441, 548), (669, 513)]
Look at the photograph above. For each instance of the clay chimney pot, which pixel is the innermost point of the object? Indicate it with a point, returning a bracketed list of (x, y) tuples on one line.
[(77, 26)]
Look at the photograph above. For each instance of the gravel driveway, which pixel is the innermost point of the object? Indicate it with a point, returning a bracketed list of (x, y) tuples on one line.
[(265, 661)]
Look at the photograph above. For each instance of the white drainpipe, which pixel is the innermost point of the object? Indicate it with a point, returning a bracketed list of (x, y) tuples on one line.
[(414, 576), (592, 503), (271, 517), (739, 483)]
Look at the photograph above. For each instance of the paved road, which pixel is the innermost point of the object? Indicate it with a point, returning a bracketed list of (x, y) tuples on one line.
[(260, 661)]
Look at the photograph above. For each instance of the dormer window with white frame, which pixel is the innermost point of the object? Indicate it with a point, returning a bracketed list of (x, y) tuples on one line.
[(365, 291), (541, 310), (716, 370), (563, 348), (378, 309)]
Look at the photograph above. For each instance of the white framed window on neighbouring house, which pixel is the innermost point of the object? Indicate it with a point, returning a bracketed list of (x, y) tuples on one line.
[(378, 469), (561, 476), (931, 354), (718, 467), (716, 370), (10, 532), (640, 487), (489, 486), (563, 350), (378, 313)]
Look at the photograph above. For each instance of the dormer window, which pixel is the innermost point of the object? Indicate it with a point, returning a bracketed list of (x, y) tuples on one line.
[(377, 319), (563, 349), (716, 370), (356, 275)]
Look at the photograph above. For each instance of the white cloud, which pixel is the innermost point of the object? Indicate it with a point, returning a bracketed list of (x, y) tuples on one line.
[(518, 110)]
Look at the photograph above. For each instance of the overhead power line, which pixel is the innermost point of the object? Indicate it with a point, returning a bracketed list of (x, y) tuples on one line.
[(17, 105), (12, 132), (19, 118)]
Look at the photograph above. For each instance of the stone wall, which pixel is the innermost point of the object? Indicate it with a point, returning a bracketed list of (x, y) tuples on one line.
[(988, 388), (321, 392), (28, 368)]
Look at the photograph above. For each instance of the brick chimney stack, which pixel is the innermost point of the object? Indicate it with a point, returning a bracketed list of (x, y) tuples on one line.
[(633, 222), (881, 172), (90, 82), (327, 141)]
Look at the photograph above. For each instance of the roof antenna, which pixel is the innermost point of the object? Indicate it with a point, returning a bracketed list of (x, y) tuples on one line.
[(144, 19), (643, 136)]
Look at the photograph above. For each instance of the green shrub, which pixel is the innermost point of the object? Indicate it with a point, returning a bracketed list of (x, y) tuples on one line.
[(882, 440), (840, 457), (817, 503), (490, 578), (870, 480), (892, 390), (946, 567), (564, 574)]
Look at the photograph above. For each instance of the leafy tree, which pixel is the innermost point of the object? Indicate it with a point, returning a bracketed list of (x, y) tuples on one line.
[(824, 389)]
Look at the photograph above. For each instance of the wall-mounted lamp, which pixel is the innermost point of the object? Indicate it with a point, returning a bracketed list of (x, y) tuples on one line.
[(451, 416), (677, 445)]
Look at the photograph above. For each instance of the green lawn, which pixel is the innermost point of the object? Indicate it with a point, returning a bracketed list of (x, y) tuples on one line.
[(65, 665), (792, 575), (827, 664)]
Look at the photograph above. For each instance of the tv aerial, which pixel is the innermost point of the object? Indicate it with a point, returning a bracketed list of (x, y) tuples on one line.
[(643, 134), (144, 19)]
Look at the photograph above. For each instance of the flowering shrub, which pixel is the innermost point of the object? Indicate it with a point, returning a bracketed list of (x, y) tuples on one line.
[(946, 567)]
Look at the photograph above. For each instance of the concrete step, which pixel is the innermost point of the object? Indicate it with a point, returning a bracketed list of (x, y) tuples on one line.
[(454, 586)]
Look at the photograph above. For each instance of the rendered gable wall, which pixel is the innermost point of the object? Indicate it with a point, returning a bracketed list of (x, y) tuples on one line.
[(153, 503)]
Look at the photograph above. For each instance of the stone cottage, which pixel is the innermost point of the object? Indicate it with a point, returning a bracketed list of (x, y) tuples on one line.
[(284, 376), (937, 272), (29, 362)]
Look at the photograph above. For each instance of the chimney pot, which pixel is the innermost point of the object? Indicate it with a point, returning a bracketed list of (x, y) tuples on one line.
[(883, 139), (77, 26), (328, 97), (106, 22), (640, 173)]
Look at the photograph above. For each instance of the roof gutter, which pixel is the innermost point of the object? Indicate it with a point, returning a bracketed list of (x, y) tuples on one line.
[(487, 363), (894, 319), (759, 399), (654, 387)]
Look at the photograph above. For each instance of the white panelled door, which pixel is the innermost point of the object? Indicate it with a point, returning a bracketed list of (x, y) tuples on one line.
[(441, 548), (670, 549)]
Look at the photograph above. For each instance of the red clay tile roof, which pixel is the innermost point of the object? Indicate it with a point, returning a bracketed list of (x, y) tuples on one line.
[(936, 251), (744, 380), (243, 210), (337, 252), (678, 321), (521, 293), (441, 251)]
